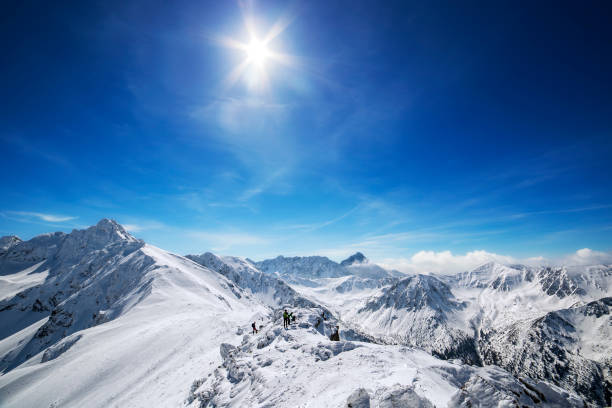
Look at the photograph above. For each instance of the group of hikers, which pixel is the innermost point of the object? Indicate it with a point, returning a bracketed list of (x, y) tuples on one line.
[(289, 317)]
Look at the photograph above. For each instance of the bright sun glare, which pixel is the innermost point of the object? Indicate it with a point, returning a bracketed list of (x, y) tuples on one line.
[(257, 52), (257, 55)]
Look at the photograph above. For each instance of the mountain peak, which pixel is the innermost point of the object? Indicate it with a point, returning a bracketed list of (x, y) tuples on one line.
[(9, 241), (111, 230), (108, 223), (356, 258)]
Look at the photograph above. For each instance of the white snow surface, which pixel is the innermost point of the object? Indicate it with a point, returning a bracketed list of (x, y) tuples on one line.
[(14, 283), (147, 355), (98, 318), (299, 367)]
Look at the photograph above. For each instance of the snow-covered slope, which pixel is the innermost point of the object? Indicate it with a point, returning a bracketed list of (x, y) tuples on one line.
[(300, 367), (570, 347), (269, 289), (338, 286), (529, 320), (418, 311), (116, 322), (98, 318), (310, 267), (304, 270)]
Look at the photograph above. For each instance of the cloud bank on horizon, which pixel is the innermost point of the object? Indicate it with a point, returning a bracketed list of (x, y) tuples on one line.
[(442, 137), (447, 263)]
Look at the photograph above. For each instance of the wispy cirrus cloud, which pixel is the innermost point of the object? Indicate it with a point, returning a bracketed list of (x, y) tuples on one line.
[(143, 226), (563, 211), (42, 216)]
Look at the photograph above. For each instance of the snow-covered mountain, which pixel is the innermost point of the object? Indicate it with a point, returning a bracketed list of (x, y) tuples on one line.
[(570, 347), (7, 242), (317, 267), (301, 367), (97, 317), (543, 322), (269, 289), (111, 321), (318, 271)]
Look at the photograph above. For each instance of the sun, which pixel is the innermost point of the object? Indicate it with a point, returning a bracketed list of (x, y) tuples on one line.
[(257, 52), (259, 56)]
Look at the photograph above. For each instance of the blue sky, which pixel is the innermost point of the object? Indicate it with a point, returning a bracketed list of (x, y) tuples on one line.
[(395, 128)]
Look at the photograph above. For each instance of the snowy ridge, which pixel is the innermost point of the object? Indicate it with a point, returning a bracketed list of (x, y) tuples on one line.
[(73, 306), (302, 270), (555, 348), (311, 267), (302, 367), (267, 288), (122, 308)]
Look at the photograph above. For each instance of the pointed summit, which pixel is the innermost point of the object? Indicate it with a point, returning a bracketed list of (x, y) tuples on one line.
[(356, 258), (112, 230), (104, 232), (9, 241)]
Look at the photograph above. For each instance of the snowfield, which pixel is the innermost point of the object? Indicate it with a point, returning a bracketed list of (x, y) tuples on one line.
[(98, 318), (301, 367)]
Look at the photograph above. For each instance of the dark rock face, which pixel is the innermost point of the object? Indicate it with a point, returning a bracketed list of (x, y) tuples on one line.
[(303, 267), (415, 293), (556, 282), (423, 305), (356, 258)]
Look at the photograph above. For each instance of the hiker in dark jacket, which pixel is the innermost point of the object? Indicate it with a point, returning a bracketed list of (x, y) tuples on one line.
[(254, 328), (285, 319), (335, 335)]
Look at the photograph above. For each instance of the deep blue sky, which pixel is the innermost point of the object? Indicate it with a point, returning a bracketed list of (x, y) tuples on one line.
[(397, 127)]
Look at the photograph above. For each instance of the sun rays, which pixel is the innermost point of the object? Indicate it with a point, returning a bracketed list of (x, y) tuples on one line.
[(258, 55)]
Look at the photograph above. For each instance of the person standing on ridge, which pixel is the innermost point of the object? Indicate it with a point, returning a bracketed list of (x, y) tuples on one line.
[(285, 319), (335, 335), (254, 328)]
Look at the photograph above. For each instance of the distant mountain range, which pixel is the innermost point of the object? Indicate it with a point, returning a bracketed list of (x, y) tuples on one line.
[(97, 317)]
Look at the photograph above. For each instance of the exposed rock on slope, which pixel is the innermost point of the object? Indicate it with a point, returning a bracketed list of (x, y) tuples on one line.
[(310, 267), (92, 276), (288, 368), (569, 347), (356, 258), (7, 242), (419, 311), (267, 288)]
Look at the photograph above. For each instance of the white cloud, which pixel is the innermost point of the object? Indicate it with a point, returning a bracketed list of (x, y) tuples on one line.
[(446, 262), (142, 226), (43, 217), (586, 256), (132, 227)]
